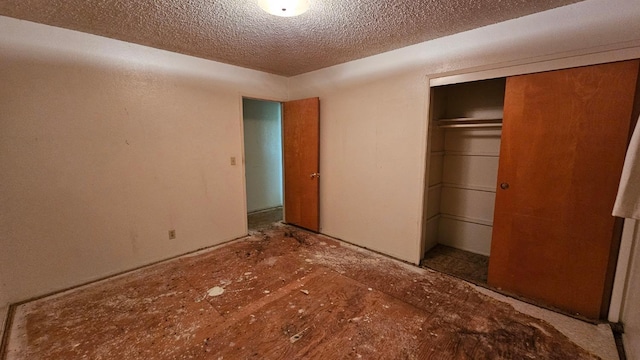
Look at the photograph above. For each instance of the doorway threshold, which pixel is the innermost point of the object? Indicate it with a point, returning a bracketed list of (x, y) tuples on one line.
[(264, 218)]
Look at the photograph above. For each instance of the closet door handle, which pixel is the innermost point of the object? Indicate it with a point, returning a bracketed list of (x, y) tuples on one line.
[(504, 186)]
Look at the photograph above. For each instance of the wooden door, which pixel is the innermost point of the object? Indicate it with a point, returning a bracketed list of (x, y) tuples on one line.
[(564, 139), (301, 145)]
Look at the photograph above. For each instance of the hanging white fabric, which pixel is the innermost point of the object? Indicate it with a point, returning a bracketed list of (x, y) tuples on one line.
[(627, 203)]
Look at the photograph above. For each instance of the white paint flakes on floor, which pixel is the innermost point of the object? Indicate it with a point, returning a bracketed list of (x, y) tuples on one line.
[(18, 331), (215, 291), (4, 315), (597, 339)]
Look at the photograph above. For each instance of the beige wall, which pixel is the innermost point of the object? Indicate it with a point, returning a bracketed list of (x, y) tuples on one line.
[(104, 147), (371, 160)]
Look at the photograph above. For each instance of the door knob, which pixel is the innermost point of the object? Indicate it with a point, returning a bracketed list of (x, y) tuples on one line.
[(504, 186), (315, 175)]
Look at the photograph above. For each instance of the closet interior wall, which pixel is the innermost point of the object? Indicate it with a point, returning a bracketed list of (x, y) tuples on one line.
[(463, 166)]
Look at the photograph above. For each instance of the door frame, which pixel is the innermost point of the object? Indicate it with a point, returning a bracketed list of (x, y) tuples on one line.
[(242, 153)]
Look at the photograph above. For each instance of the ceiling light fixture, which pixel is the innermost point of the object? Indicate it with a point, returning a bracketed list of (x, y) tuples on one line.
[(285, 8)]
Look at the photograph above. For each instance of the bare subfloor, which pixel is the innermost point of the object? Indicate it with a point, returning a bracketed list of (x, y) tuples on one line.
[(282, 293), (463, 264)]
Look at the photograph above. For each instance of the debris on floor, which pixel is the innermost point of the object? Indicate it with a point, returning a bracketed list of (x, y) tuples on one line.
[(363, 305), (215, 291)]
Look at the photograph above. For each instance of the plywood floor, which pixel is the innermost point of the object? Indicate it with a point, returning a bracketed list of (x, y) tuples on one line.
[(282, 293)]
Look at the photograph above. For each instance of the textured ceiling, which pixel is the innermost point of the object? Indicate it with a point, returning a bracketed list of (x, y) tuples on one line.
[(238, 32)]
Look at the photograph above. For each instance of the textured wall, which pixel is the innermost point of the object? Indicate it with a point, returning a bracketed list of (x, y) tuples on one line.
[(104, 147), (262, 154), (240, 33)]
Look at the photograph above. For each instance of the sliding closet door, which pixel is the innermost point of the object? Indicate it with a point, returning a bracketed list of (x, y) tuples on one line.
[(564, 139)]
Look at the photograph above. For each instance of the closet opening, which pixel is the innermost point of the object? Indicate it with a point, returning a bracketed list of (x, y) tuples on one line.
[(262, 123), (462, 167)]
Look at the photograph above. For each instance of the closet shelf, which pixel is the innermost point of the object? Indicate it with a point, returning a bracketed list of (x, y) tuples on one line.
[(466, 219), (469, 123), (468, 187)]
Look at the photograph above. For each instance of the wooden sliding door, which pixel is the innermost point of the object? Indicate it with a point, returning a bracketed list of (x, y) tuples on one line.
[(564, 138)]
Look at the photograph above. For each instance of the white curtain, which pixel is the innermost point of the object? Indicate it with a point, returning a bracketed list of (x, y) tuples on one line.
[(628, 200)]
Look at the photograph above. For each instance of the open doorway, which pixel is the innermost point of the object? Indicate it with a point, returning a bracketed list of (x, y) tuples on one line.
[(262, 122), (465, 137)]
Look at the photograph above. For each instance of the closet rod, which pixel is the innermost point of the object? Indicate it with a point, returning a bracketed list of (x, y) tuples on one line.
[(469, 122)]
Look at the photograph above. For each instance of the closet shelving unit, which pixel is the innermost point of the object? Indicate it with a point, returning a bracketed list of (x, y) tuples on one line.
[(466, 121)]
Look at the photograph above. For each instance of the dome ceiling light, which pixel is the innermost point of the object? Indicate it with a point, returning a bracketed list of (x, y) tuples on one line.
[(286, 8)]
